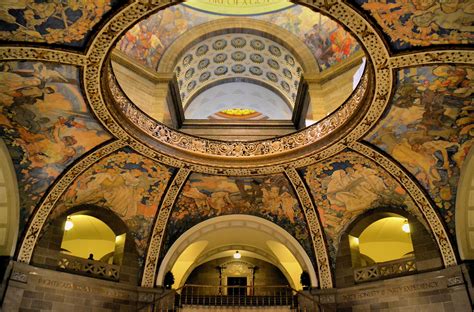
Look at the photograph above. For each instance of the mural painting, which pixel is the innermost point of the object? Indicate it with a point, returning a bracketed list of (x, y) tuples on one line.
[(268, 197), (147, 41), (45, 123), (66, 22), (430, 128), (423, 22), (128, 184), (347, 185)]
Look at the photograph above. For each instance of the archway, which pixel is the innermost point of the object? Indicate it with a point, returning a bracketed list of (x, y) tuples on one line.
[(252, 236)]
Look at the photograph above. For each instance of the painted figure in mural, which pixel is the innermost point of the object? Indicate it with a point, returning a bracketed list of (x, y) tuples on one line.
[(44, 122), (430, 128), (147, 41), (346, 186), (125, 182), (205, 196), (424, 22), (50, 21)]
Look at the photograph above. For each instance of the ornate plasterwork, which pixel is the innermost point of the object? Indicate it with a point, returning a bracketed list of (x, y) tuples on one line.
[(49, 201), (420, 199), (317, 236), (115, 27), (195, 150), (237, 55), (159, 228), (163, 134), (42, 54), (432, 57)]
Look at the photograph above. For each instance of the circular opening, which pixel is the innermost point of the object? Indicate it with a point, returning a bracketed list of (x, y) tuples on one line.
[(231, 75)]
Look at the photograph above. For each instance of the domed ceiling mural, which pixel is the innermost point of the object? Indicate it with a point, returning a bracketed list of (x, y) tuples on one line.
[(398, 138)]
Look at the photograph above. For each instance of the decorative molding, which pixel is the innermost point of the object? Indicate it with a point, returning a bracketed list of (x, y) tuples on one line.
[(293, 150), (49, 201), (317, 236), (420, 199), (129, 113), (42, 54), (431, 57), (159, 229)]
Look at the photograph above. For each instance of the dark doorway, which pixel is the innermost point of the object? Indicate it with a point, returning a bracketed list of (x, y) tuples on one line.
[(237, 281)]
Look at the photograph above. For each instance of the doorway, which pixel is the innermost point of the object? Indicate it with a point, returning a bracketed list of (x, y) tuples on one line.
[(233, 283)]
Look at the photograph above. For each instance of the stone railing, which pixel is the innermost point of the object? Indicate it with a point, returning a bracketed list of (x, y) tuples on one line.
[(88, 267), (385, 270)]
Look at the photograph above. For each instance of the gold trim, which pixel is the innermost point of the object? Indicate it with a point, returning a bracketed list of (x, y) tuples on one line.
[(312, 220), (420, 199), (432, 57), (49, 201), (159, 229), (42, 54)]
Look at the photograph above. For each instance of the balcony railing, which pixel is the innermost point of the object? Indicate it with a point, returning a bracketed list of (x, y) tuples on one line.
[(269, 297), (385, 270), (88, 267)]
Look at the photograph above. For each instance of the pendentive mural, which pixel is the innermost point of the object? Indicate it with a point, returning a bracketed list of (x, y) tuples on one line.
[(207, 196), (345, 186), (423, 22), (45, 123), (328, 41), (430, 129), (128, 184), (65, 22)]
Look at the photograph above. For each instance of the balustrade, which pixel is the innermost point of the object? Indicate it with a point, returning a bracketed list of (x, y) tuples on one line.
[(92, 268), (385, 270)]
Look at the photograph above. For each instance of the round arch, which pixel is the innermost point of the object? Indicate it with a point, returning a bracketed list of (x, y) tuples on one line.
[(9, 203), (465, 209), (299, 49), (280, 238)]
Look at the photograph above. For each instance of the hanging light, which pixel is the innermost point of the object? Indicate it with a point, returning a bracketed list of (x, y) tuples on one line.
[(237, 255), (406, 227), (68, 225)]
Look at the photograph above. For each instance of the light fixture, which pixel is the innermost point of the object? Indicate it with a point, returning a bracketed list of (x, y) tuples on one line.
[(406, 227), (68, 225), (237, 255)]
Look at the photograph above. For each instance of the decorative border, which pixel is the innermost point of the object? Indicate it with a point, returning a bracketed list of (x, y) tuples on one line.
[(163, 134), (48, 202), (431, 57), (230, 155), (317, 236), (420, 199), (159, 229), (42, 54)]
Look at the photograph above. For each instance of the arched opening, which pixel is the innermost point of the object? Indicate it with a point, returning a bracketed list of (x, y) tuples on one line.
[(221, 237), (9, 209), (384, 243), (89, 240), (88, 237), (384, 240)]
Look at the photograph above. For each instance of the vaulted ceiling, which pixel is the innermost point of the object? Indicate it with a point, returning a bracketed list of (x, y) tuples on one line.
[(400, 140)]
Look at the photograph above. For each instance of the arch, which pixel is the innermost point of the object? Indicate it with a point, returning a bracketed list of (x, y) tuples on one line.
[(254, 252), (221, 81), (238, 24), (48, 249), (350, 261), (237, 221), (465, 209), (9, 203)]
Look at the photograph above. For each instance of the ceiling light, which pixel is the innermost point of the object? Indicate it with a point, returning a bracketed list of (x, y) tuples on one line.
[(68, 225), (237, 255), (406, 227)]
